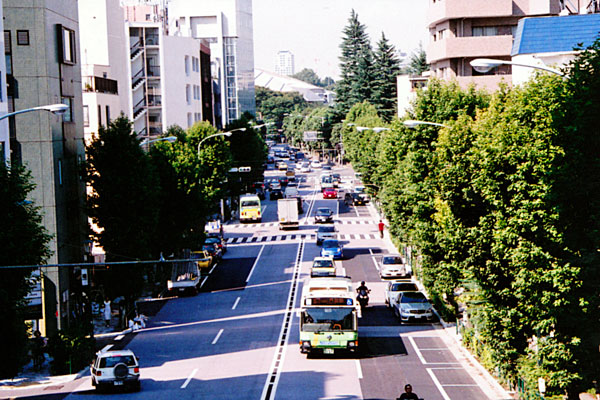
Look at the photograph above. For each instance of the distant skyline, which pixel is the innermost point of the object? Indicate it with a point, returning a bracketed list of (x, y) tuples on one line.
[(312, 29)]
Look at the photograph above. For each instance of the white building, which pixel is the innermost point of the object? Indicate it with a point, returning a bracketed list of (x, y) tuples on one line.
[(283, 83), (4, 132), (284, 63), (227, 26), (407, 86), (165, 79), (104, 69)]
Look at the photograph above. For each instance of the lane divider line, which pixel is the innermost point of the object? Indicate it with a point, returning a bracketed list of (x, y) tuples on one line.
[(438, 384), (106, 348), (236, 303), (120, 337), (216, 339), (270, 387), (189, 378), (373, 258), (255, 262), (359, 369)]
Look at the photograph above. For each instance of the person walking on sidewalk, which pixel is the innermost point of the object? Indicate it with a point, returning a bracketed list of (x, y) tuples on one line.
[(381, 226), (107, 313)]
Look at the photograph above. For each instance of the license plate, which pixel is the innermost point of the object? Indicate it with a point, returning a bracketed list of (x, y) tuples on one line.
[(327, 351), (326, 343), (118, 383)]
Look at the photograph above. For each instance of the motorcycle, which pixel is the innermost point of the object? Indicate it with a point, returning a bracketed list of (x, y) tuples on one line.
[(363, 298)]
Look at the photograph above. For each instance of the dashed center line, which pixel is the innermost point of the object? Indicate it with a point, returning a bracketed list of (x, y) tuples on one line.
[(236, 303), (216, 339), (187, 381)]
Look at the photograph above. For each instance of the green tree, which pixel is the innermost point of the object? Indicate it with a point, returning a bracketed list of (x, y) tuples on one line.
[(386, 69), (273, 106), (418, 62), (122, 202), (356, 63), (310, 76), (23, 241)]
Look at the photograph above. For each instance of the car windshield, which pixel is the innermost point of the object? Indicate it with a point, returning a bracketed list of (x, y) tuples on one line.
[(109, 362), (322, 263), (392, 260), (326, 229), (323, 211), (404, 287), (326, 319), (416, 297), (331, 243)]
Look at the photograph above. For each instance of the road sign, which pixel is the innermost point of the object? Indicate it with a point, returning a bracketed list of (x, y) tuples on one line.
[(311, 136), (244, 169)]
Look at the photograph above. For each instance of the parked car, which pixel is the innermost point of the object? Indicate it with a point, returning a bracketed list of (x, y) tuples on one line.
[(413, 306), (393, 266), (116, 368), (275, 194), (324, 215), (395, 288), (322, 266), (332, 248), (330, 193), (325, 232), (214, 250), (217, 241), (354, 198)]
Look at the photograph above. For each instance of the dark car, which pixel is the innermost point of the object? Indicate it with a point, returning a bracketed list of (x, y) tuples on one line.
[(337, 179), (260, 192), (326, 167), (218, 241), (284, 181), (299, 155), (276, 194), (213, 250), (270, 160), (354, 198), (324, 215)]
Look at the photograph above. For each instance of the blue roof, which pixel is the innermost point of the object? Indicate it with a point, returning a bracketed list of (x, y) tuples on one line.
[(555, 34)]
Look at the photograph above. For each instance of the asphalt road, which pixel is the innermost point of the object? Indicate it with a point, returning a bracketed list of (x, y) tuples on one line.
[(238, 338)]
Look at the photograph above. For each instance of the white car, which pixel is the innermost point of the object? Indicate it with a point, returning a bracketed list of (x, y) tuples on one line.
[(305, 167), (413, 306), (116, 368), (315, 164), (393, 266), (395, 288)]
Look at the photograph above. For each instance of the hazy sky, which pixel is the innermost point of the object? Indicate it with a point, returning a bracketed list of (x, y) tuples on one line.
[(312, 29)]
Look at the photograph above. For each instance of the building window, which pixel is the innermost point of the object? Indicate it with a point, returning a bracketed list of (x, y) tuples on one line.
[(441, 34), (189, 120), (484, 31), (187, 65), (86, 116), (148, 17), (107, 115), (187, 94), (99, 116), (67, 38), (68, 115), (60, 182), (23, 38)]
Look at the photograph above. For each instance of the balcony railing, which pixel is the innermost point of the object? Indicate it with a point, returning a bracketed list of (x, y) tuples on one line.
[(469, 47), (153, 71), (453, 9), (100, 85), (154, 100)]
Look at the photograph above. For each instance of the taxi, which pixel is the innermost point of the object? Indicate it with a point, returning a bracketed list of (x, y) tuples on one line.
[(322, 267)]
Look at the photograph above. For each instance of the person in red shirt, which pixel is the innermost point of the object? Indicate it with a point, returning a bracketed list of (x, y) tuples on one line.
[(381, 226)]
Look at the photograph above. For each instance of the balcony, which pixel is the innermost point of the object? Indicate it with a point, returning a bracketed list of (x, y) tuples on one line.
[(442, 10), (469, 47), (488, 82), (100, 85)]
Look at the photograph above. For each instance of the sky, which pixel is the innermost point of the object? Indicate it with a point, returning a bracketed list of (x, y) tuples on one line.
[(312, 29)]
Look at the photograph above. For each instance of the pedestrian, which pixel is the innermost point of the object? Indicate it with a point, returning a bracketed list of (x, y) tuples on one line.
[(381, 225), (107, 313), (408, 394), (39, 343)]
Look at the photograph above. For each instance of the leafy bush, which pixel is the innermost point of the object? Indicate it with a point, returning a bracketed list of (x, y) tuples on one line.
[(71, 351)]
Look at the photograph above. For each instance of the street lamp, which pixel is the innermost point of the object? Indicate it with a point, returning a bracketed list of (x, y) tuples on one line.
[(169, 139), (57, 109), (375, 129), (262, 125), (219, 134), (411, 123), (484, 65)]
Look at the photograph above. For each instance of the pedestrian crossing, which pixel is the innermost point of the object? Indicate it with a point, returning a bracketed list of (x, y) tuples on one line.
[(346, 221), (296, 236)]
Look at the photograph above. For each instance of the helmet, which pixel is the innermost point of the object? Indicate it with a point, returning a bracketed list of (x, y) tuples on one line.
[(362, 283)]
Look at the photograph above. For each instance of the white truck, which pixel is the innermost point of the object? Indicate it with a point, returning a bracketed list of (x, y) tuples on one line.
[(185, 275), (287, 213)]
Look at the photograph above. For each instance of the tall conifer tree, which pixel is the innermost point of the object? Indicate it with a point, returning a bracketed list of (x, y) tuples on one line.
[(385, 70)]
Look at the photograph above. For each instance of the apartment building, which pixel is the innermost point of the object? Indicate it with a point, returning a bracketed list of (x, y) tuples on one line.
[(227, 26), (43, 67), (284, 63), (104, 72), (165, 79), (462, 30)]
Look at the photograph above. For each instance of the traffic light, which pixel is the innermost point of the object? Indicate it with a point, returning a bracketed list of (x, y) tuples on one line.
[(244, 169)]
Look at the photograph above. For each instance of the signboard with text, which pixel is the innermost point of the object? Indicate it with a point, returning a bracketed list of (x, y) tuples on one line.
[(311, 136)]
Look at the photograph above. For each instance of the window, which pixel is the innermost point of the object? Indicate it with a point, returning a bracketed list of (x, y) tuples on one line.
[(23, 38), (484, 31), (187, 94), (67, 37), (99, 116), (68, 115), (86, 116), (441, 34), (148, 17), (187, 66), (189, 120), (107, 114), (60, 172)]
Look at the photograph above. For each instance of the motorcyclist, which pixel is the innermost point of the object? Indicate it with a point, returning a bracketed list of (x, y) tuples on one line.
[(408, 394), (363, 294)]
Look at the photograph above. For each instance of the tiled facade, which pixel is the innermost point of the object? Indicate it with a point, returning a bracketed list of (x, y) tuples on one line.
[(462, 30)]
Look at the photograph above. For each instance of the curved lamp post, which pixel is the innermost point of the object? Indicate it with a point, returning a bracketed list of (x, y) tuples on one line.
[(484, 65), (413, 123), (219, 134), (375, 129), (169, 139), (57, 109), (262, 125)]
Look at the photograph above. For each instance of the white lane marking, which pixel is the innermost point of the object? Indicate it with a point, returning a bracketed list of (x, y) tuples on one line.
[(355, 210), (343, 271), (120, 337), (374, 261), (189, 378), (255, 262), (358, 369), (337, 211), (203, 281), (420, 355), (216, 339), (263, 210), (213, 268), (236, 303), (438, 384), (106, 348)]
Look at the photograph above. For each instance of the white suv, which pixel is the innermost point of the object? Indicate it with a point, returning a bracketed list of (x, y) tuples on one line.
[(115, 368)]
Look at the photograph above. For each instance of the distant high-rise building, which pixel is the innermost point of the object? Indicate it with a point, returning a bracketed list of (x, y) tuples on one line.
[(227, 26), (284, 63)]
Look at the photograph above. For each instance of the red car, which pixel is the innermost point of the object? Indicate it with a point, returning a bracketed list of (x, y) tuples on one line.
[(330, 193)]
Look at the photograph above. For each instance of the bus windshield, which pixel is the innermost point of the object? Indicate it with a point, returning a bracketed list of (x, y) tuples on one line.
[(327, 319)]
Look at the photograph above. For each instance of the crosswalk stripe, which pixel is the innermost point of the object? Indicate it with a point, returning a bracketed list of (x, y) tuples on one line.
[(279, 238)]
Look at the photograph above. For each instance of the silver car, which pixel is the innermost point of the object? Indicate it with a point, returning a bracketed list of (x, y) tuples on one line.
[(395, 288), (325, 232), (413, 306), (393, 266)]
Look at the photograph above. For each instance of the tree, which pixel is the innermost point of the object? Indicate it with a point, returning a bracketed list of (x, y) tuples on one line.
[(309, 76), (386, 69), (272, 106), (122, 202), (355, 65), (418, 62), (23, 241)]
